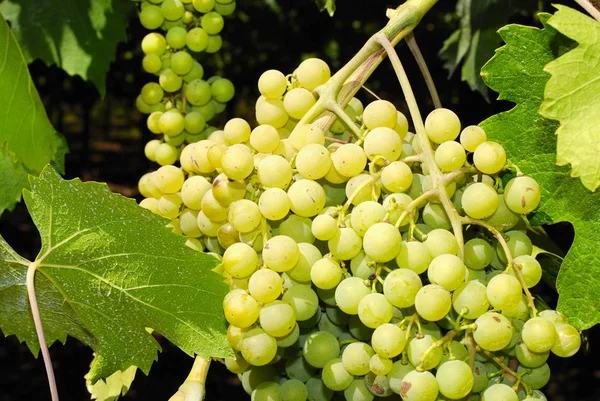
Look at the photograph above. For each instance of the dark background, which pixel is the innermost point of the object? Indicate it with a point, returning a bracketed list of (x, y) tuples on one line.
[(106, 138)]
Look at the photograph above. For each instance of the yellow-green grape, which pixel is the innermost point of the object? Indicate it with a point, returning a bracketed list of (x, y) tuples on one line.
[(197, 72), (271, 111), (222, 90), (277, 318), (313, 161), (395, 204), (265, 285), (499, 392), (212, 208), (237, 162), (215, 42), (166, 154), (150, 204), (176, 37), (280, 253), (396, 177), (151, 17), (356, 357), (489, 157), (472, 296), (380, 113), (194, 123), (471, 137), (237, 130), (207, 226), (479, 200), (197, 39), (349, 292), (168, 179), (365, 215), (414, 256), (264, 139), (309, 254), (522, 194), (172, 10), (197, 93), (241, 310), (244, 215), (258, 348), (493, 332), (339, 126), (152, 93), (240, 260), (417, 352), (324, 227), (274, 204), (419, 386), (203, 6), (170, 81), (169, 205), (212, 22), (297, 102), (442, 125), (382, 242), (455, 379), (147, 188), (447, 271), (150, 149), (154, 43), (307, 197), (305, 134), (441, 241), (380, 365), (175, 140), (433, 302), (312, 72), (272, 84), (530, 268), (357, 105), (539, 335), (349, 159), (151, 63), (375, 310), (450, 156), (568, 341), (504, 291), (362, 188), (274, 172), (193, 190), (181, 63), (401, 126), (171, 122), (401, 286), (326, 273), (384, 142)]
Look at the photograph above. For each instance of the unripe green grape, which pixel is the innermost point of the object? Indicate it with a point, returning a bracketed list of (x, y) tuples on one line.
[(289, 339), (433, 302), (297, 228), (568, 342), (171, 122), (197, 39), (222, 90), (297, 102), (384, 142), (435, 216), (357, 105), (522, 194), (172, 24), (396, 177), (194, 123), (277, 318), (154, 43), (535, 378), (197, 72), (151, 63), (198, 93), (478, 254), (272, 84), (291, 390), (319, 348), (442, 125), (181, 63), (203, 6), (172, 10), (335, 376), (494, 331), (447, 271), (225, 9), (518, 244), (380, 113), (471, 137), (166, 154), (309, 254), (312, 72), (303, 300), (529, 358), (212, 22), (169, 80), (450, 156), (339, 126), (236, 364), (479, 200), (504, 218), (151, 17), (215, 42), (489, 157), (176, 37)]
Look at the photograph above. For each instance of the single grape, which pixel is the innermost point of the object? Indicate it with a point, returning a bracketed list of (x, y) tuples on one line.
[(169, 80), (472, 296), (479, 200), (401, 286), (382, 242), (277, 318), (442, 125), (535, 378), (374, 310), (319, 348), (518, 243), (388, 340), (522, 194), (455, 379), (241, 310), (396, 177), (303, 300), (215, 42), (435, 216), (335, 376), (419, 386), (326, 273), (307, 198), (478, 254), (489, 157), (450, 156), (397, 373), (244, 215), (312, 72), (418, 354), (154, 43), (297, 102), (345, 244), (203, 6), (504, 291), (433, 302), (197, 39), (362, 188), (380, 113), (358, 391), (222, 90), (240, 260), (271, 112), (414, 256), (471, 137), (274, 171), (383, 142), (499, 392), (530, 268), (166, 154), (494, 331), (313, 161), (441, 242), (171, 123), (377, 385), (265, 285), (447, 271), (529, 358), (257, 347), (568, 341), (365, 215), (349, 293), (380, 365)]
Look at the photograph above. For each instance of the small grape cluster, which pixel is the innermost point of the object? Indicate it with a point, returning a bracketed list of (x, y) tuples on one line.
[(372, 262), (181, 103)]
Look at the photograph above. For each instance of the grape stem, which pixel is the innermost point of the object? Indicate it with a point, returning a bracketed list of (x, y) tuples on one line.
[(39, 329), (510, 260), (447, 338), (517, 377), (430, 194), (330, 139), (411, 41), (449, 177), (412, 159), (193, 389), (370, 92), (590, 8)]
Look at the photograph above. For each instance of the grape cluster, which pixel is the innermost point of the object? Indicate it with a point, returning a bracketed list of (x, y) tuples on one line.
[(370, 265), (182, 102)]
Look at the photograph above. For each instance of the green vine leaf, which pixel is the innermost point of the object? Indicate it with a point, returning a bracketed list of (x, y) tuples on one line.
[(326, 5), (27, 139), (107, 271), (113, 387), (79, 36), (572, 96), (517, 73)]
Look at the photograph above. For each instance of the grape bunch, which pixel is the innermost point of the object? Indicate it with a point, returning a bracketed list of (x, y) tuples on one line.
[(366, 261), (182, 102)]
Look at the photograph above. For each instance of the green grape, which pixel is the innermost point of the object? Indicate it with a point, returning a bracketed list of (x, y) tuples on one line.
[(169, 80), (197, 72), (450, 156), (442, 125), (264, 285), (535, 378), (274, 171), (212, 22), (297, 102), (309, 254), (266, 391), (349, 293), (212, 208), (447, 271), (365, 215), (456, 351), (169, 205), (207, 226), (256, 375), (235, 335), (552, 316), (478, 254), (489, 157), (264, 139), (374, 310), (151, 63), (325, 324), (319, 348), (419, 386), (194, 123), (313, 161), (522, 194), (317, 391), (530, 268), (416, 188), (166, 154), (362, 266), (150, 204), (356, 357), (312, 72), (471, 137), (335, 376), (401, 286), (197, 39), (479, 200), (336, 316), (345, 244), (326, 273), (271, 112), (383, 142), (568, 341), (455, 379), (301, 135), (222, 90), (396, 177), (380, 365), (257, 347), (414, 256), (380, 113), (357, 105), (499, 392), (303, 300), (171, 122), (480, 377), (240, 260), (504, 291), (377, 385), (518, 243), (529, 358), (293, 390), (194, 157), (241, 310), (471, 295), (175, 140), (289, 339), (151, 17), (358, 329), (181, 63), (244, 215), (397, 373), (208, 112), (272, 84), (417, 350), (349, 159), (324, 227), (236, 364), (307, 198), (441, 242), (188, 223), (154, 43), (280, 253), (197, 92), (168, 179), (277, 318), (434, 215), (493, 332), (297, 228), (237, 162), (146, 186), (388, 340), (433, 302), (362, 188), (176, 37), (382, 242), (357, 391), (203, 6), (152, 93), (274, 204), (172, 10)]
